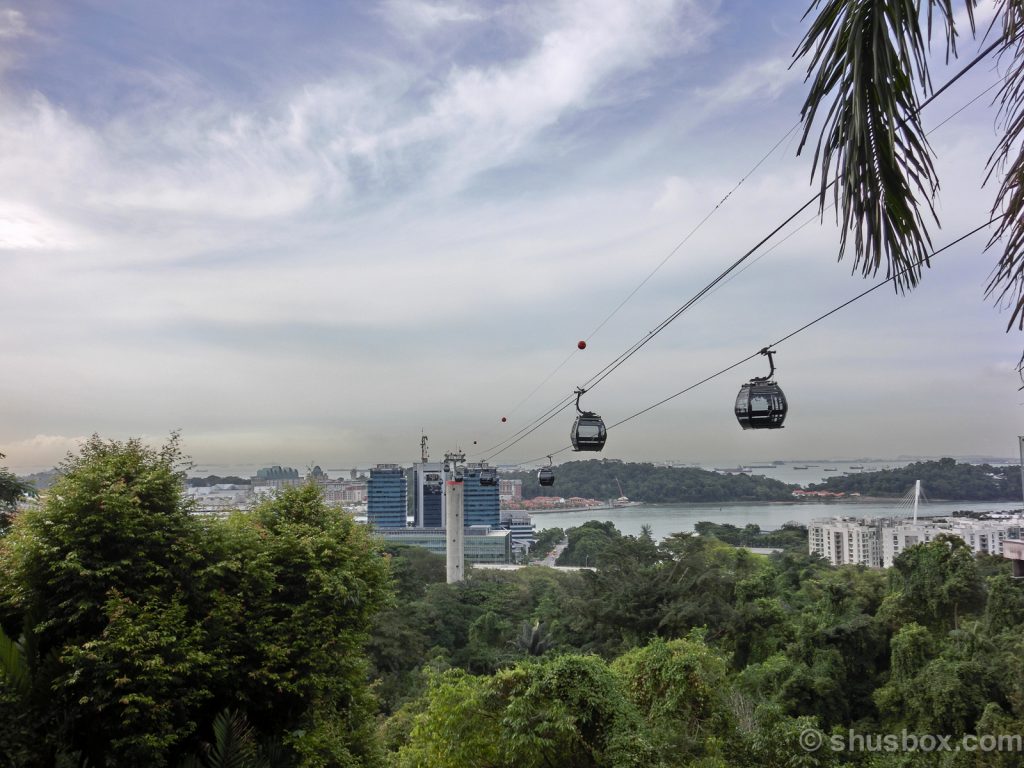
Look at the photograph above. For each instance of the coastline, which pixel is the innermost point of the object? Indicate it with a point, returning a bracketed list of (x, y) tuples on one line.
[(864, 500)]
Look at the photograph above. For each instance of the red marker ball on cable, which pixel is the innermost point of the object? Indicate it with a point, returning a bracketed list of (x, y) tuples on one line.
[(503, 419), (581, 344)]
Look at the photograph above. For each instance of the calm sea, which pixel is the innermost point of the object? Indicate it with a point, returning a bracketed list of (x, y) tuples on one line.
[(666, 519)]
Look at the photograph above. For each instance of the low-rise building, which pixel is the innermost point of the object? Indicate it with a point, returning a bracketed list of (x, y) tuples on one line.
[(510, 489), (482, 543), (520, 524), (219, 499)]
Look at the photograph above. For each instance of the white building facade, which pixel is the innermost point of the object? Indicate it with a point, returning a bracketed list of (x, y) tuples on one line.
[(877, 542)]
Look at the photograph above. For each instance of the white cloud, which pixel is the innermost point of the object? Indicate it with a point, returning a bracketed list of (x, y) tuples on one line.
[(758, 81), (415, 17), (288, 271), (12, 23)]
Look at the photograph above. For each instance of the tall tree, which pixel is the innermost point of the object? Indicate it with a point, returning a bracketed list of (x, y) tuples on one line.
[(868, 69), (12, 490)]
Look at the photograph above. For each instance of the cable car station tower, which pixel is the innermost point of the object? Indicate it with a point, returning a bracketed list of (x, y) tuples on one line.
[(454, 517)]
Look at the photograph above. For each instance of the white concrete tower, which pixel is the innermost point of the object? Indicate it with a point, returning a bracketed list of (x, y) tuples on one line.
[(454, 530)]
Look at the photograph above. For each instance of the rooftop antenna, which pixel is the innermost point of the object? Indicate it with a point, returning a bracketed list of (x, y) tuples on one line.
[(424, 451)]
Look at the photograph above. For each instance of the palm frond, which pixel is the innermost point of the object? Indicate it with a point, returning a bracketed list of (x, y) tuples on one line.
[(867, 61), (14, 666), (1007, 281), (233, 741)]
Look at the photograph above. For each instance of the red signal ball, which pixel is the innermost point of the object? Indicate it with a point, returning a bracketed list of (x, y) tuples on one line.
[(503, 419), (581, 344)]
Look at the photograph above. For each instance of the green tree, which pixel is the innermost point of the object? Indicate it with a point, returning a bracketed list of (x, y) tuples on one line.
[(99, 577), (12, 490), (293, 588), (934, 582), (140, 622), (566, 710), (869, 71), (681, 688)]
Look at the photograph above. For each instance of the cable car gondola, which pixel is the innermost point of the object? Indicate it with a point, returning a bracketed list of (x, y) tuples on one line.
[(546, 475), (588, 432), (760, 403), (488, 476)]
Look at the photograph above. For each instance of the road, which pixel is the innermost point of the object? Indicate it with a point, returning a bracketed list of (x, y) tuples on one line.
[(553, 554)]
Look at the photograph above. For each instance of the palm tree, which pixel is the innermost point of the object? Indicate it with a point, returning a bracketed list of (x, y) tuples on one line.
[(867, 66)]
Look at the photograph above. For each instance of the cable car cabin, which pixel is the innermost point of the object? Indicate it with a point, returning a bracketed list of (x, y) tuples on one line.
[(588, 433), (760, 404), (488, 476), (546, 476)]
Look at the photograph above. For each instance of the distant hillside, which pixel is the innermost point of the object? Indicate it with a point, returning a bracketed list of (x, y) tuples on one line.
[(645, 482), (942, 479)]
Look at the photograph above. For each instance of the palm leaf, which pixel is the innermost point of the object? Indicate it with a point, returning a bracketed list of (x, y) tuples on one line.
[(233, 742), (14, 666), (1007, 281), (867, 61)]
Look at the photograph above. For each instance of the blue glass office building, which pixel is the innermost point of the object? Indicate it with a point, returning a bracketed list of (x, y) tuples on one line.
[(386, 497), (481, 505), (428, 495)]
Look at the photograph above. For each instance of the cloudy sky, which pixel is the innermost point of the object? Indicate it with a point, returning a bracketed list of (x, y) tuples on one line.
[(307, 231)]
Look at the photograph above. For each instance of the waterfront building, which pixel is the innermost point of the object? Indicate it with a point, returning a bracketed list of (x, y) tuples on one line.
[(428, 495), (387, 497), (482, 544), (846, 540), (510, 489), (986, 536), (877, 542), (481, 505), (898, 534), (277, 477)]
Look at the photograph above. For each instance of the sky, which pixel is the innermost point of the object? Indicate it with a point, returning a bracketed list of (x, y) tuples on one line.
[(310, 232)]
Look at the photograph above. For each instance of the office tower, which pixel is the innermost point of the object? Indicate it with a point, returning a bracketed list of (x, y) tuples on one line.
[(428, 495), (386, 496), (481, 503)]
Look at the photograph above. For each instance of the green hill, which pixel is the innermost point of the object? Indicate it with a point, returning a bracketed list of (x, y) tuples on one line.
[(645, 482), (942, 479)]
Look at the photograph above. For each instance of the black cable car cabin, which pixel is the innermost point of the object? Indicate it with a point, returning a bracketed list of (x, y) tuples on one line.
[(546, 475), (760, 403), (488, 476), (588, 431)]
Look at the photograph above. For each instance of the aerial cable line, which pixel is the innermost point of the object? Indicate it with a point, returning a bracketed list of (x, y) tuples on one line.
[(637, 346), (790, 335), (605, 372), (601, 375), (831, 205), (652, 273)]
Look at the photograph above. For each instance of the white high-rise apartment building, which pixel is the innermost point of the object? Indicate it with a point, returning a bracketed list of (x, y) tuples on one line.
[(877, 542), (846, 540)]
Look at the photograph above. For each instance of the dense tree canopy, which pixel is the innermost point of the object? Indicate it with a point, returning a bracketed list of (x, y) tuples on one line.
[(139, 622), (942, 479), (133, 632)]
